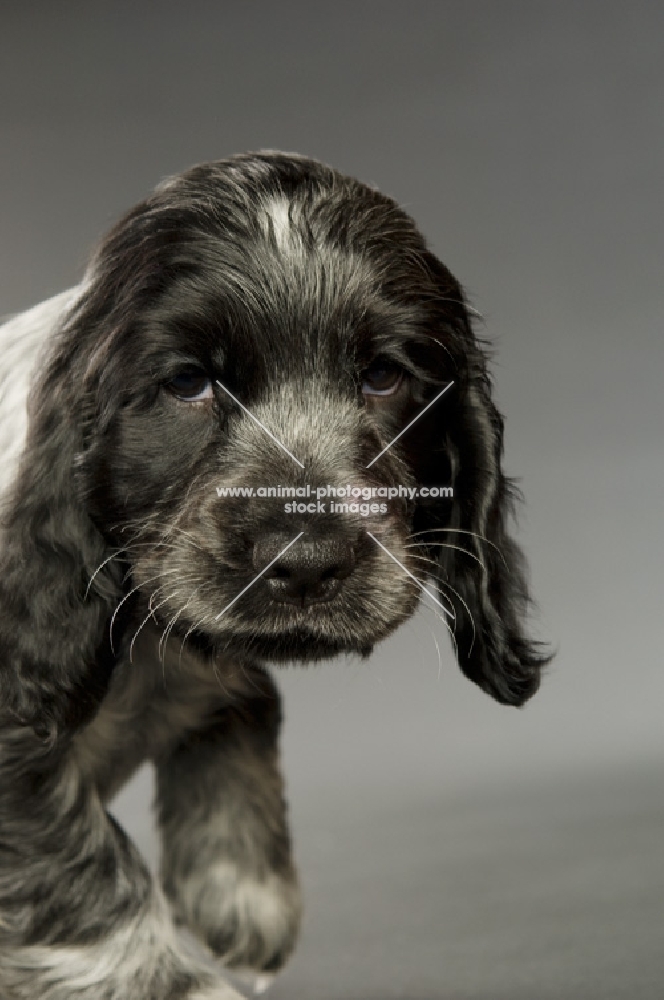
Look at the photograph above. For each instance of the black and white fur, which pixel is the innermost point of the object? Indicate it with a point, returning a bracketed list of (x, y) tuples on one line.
[(286, 282)]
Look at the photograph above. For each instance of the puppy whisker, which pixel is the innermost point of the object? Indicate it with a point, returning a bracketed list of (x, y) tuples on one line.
[(169, 627), (108, 559), (449, 545), (139, 586), (195, 625), (448, 587), (440, 618), (190, 538), (148, 617), (435, 642), (462, 531)]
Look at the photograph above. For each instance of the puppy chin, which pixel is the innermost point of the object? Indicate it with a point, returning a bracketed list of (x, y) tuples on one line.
[(295, 645), (299, 645)]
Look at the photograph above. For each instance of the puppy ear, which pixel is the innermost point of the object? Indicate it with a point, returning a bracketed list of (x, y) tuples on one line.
[(481, 570), (55, 600)]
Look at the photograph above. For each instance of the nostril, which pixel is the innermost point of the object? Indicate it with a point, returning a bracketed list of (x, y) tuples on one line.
[(342, 568), (277, 572), (309, 572)]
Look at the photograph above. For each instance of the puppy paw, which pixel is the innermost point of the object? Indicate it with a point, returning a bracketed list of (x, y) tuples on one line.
[(215, 993), (250, 923), (258, 984)]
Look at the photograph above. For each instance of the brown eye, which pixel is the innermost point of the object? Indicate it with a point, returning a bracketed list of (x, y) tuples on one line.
[(381, 378), (191, 385)]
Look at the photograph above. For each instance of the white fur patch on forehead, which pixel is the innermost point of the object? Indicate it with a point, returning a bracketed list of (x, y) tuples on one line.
[(277, 221)]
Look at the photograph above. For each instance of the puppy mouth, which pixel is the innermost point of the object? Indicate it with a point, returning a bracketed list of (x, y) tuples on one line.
[(330, 625), (299, 642), (299, 645), (293, 632)]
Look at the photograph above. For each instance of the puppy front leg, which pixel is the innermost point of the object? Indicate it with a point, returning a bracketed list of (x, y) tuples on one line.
[(80, 916), (226, 860)]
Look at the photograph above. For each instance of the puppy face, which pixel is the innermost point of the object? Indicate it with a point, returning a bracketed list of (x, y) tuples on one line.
[(308, 308), (262, 322)]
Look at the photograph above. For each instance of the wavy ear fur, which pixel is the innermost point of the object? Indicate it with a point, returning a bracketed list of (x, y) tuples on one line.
[(55, 655), (481, 569)]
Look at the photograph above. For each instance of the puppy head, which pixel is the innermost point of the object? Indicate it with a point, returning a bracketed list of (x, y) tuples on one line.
[(267, 322)]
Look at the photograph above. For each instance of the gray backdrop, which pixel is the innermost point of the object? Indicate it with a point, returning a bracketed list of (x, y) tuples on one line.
[(450, 848)]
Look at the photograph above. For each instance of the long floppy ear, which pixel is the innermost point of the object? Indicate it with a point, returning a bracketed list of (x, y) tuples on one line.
[(481, 569), (55, 655)]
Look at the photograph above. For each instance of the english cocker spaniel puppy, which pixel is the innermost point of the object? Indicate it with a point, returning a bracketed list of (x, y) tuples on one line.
[(253, 433)]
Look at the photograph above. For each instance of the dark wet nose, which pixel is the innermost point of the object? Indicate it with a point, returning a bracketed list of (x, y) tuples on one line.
[(309, 572)]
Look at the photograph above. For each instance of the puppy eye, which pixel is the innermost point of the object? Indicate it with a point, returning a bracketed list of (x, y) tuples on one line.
[(191, 385), (382, 377)]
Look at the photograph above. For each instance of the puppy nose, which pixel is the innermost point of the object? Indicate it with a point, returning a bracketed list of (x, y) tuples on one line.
[(309, 572)]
